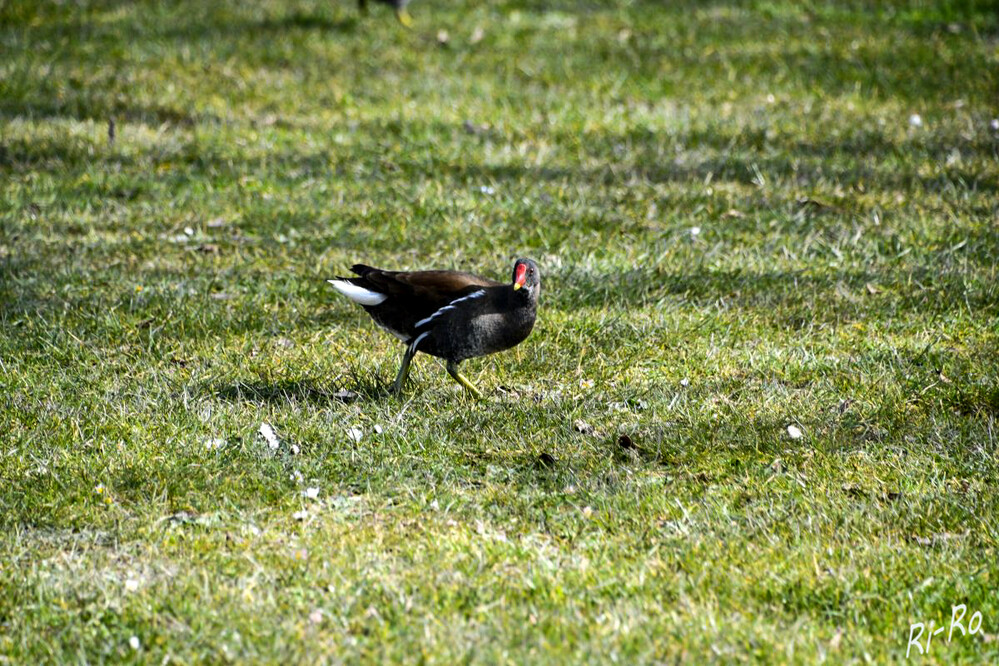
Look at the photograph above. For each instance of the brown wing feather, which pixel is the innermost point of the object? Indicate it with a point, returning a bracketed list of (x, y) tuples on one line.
[(437, 287), (414, 295)]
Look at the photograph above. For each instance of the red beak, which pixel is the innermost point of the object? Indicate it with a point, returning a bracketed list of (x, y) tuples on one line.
[(520, 277)]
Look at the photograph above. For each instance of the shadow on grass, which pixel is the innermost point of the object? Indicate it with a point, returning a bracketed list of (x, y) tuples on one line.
[(300, 390), (738, 154), (822, 296), (298, 20)]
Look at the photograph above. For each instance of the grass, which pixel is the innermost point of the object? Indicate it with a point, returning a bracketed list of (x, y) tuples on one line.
[(740, 225)]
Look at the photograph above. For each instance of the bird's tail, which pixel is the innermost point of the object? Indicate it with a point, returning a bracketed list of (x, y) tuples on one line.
[(356, 292)]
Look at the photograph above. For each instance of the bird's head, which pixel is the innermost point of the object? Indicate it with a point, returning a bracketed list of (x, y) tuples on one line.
[(527, 276)]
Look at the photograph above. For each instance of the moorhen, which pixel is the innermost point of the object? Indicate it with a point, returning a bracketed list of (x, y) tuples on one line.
[(448, 314), (398, 5)]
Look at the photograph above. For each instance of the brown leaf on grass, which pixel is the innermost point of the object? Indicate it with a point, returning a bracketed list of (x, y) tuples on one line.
[(872, 289), (817, 204), (627, 450)]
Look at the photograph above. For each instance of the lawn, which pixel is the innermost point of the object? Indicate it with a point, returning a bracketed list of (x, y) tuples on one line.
[(755, 422)]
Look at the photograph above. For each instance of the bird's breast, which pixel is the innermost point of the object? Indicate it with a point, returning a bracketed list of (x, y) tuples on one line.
[(469, 335)]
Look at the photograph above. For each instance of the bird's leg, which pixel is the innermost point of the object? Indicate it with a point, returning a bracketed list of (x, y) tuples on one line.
[(403, 370), (452, 369), (403, 17)]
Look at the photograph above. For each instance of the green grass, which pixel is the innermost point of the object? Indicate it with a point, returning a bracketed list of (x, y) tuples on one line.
[(167, 292)]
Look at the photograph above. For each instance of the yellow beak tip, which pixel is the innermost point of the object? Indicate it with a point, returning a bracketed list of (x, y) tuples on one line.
[(516, 286)]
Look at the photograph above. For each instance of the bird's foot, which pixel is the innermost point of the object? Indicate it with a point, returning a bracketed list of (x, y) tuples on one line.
[(404, 18), (452, 369)]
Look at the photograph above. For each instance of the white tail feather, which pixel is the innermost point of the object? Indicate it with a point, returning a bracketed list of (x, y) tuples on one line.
[(357, 294)]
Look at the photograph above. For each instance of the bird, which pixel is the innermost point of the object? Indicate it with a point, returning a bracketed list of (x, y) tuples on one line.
[(398, 5), (452, 315)]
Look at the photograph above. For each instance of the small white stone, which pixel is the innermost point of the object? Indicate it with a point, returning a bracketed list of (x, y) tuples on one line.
[(355, 434), (134, 643), (311, 493), (316, 616), (695, 231), (794, 432), (378, 429), (267, 432), (994, 124), (435, 505), (684, 382), (189, 231), (300, 515), (131, 585), (295, 450), (916, 120)]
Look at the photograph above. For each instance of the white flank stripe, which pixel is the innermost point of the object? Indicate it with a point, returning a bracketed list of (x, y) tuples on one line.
[(418, 340), (358, 294), (450, 306)]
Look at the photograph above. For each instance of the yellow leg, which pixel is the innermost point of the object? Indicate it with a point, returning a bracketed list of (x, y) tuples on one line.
[(404, 18), (452, 369)]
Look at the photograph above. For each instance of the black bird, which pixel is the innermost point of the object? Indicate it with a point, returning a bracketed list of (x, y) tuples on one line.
[(398, 5), (448, 314)]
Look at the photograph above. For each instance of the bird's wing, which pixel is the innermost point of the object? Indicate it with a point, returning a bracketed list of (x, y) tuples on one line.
[(410, 301), (422, 290)]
